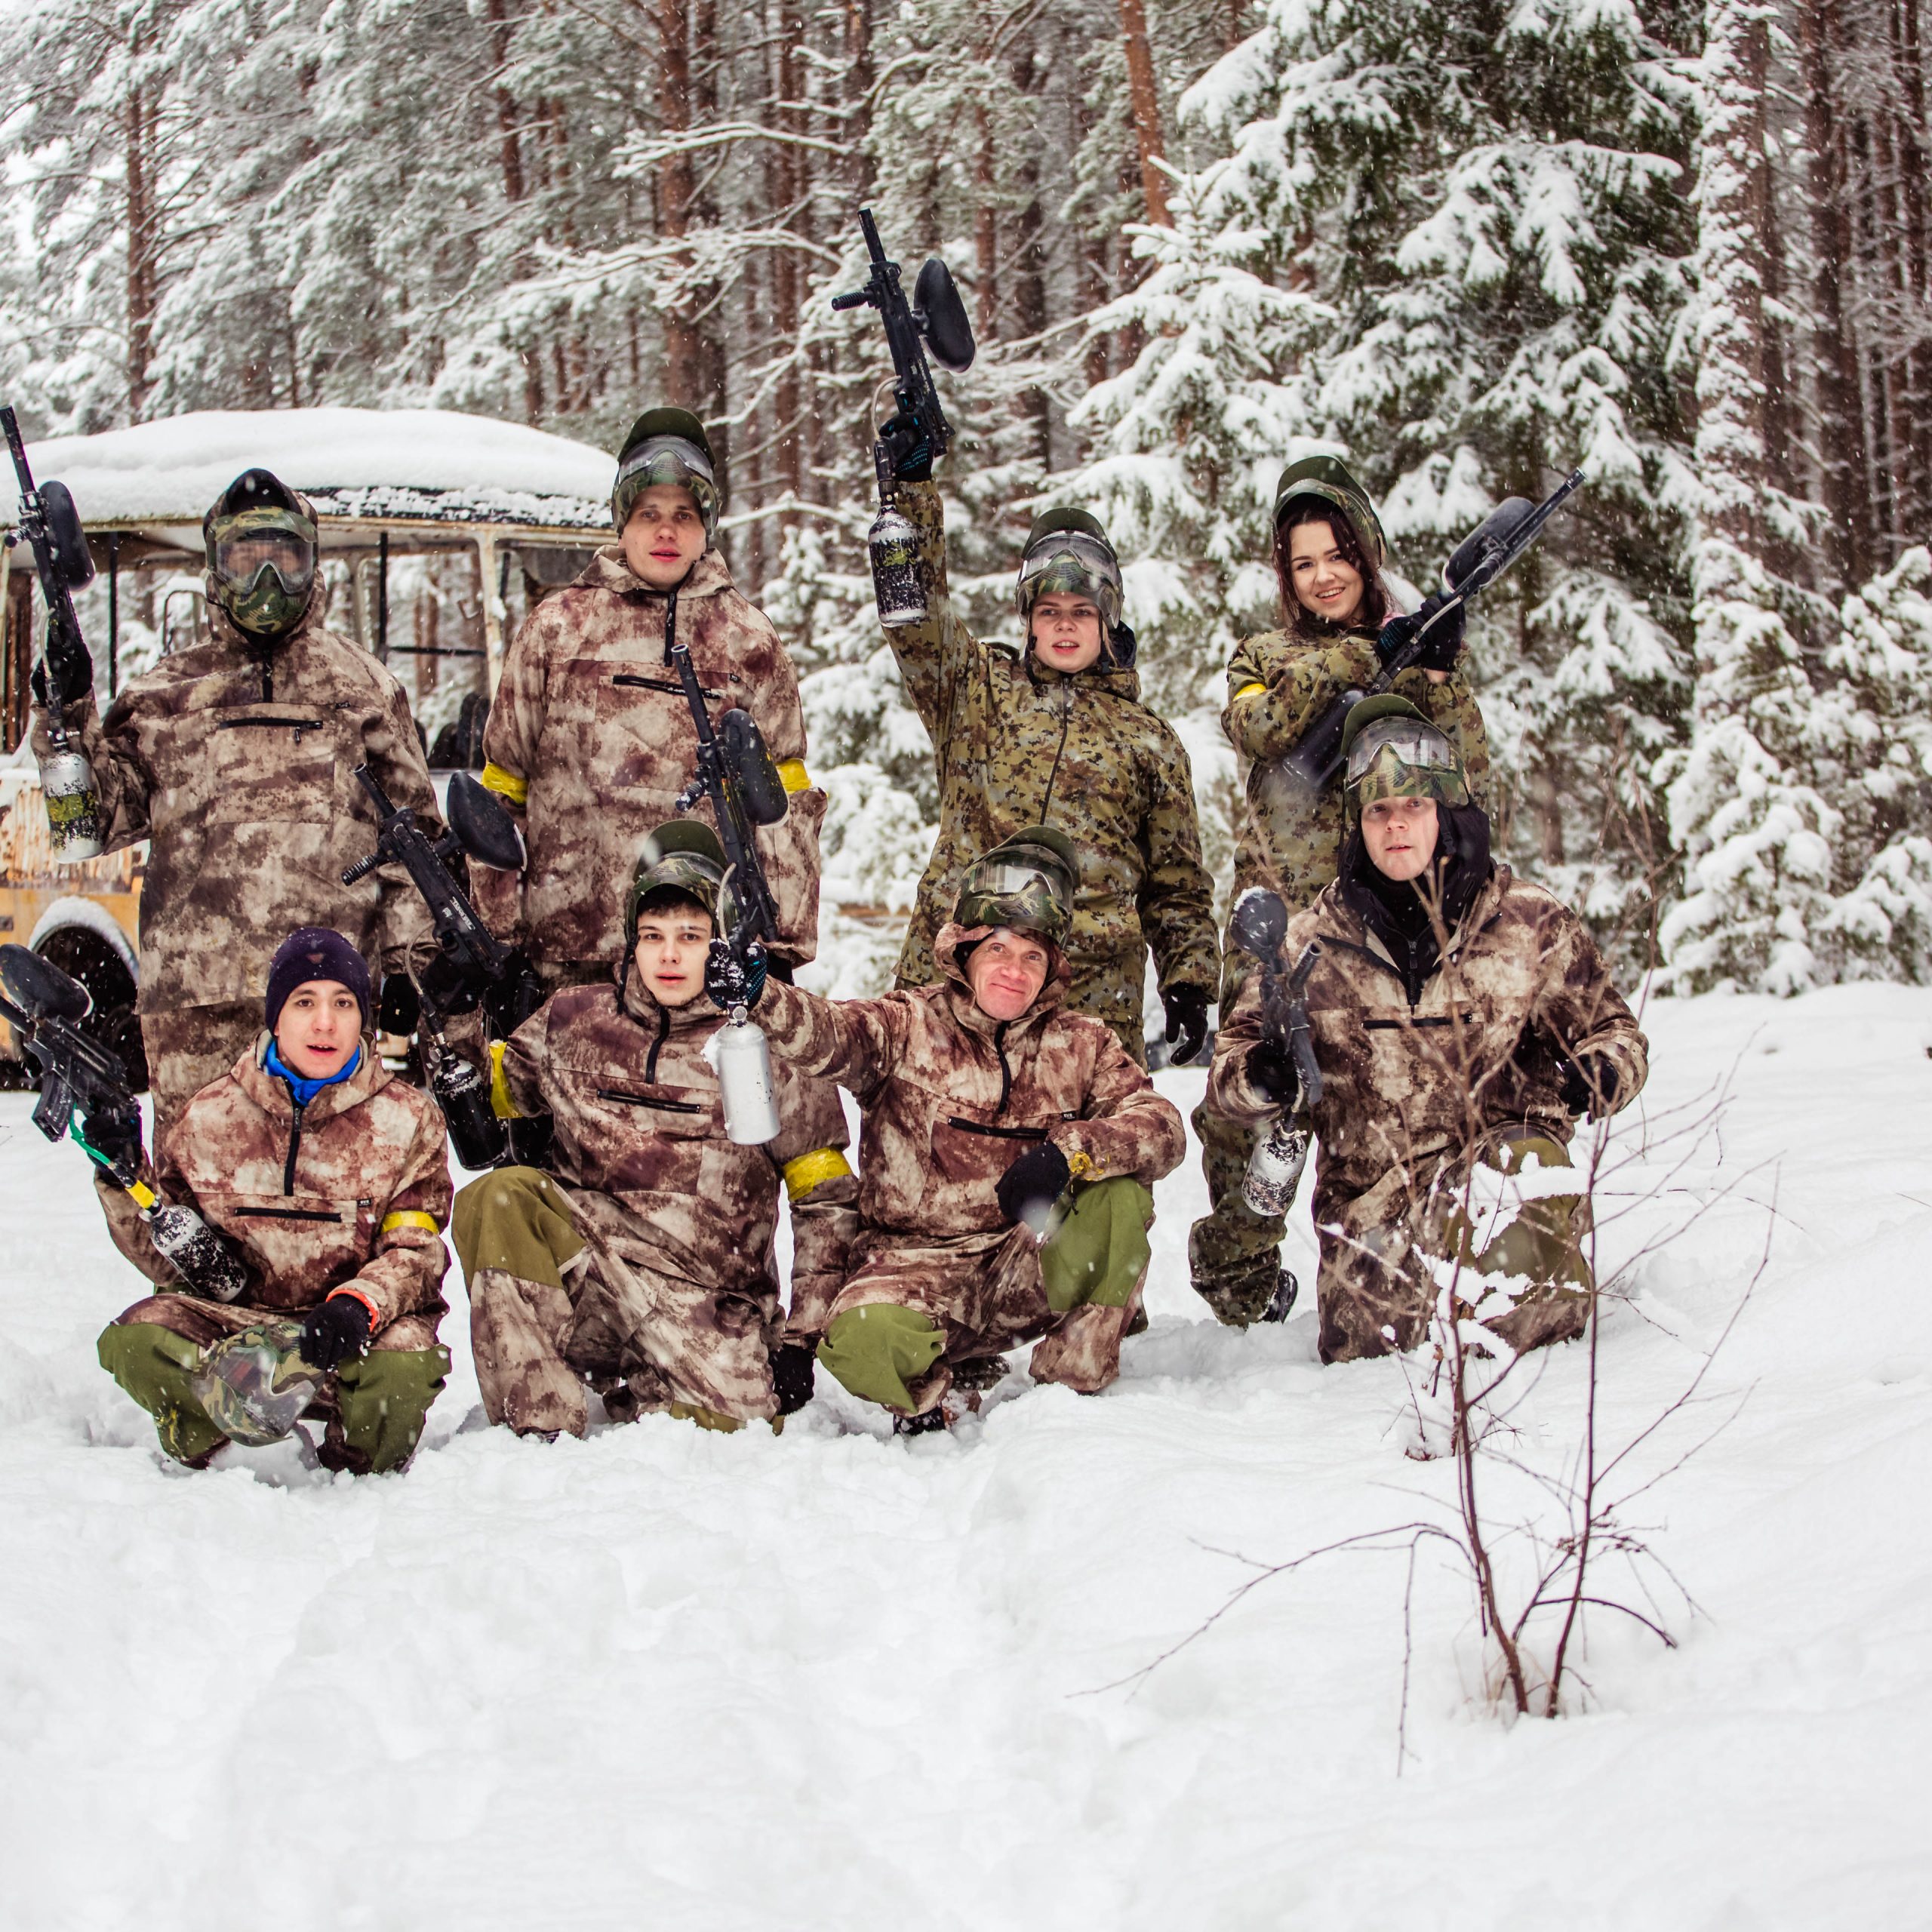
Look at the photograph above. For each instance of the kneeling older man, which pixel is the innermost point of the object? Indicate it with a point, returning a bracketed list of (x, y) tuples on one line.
[(1007, 1156)]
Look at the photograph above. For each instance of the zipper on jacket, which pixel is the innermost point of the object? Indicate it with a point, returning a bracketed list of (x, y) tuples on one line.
[(629, 1099), (294, 1149), (1005, 1070), (633, 682), (1066, 721), (297, 725), (657, 1044), (286, 1215), (998, 1132)]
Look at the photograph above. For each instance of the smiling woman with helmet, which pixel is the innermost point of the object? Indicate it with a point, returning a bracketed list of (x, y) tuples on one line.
[(236, 758), (1055, 734)]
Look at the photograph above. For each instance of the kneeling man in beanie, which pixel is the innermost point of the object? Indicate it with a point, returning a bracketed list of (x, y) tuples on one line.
[(1008, 1156), (327, 1176)]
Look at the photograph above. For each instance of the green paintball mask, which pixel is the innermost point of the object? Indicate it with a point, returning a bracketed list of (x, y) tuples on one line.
[(1067, 554), (1391, 751), (682, 856), (667, 447), (260, 541), (1029, 883), (254, 1384), (1329, 482)]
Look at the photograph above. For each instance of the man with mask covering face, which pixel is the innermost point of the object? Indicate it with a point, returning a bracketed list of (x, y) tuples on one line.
[(235, 759), (1441, 976)]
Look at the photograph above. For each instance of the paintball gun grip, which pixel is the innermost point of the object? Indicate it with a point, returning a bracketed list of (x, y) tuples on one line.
[(363, 867), (54, 1111)]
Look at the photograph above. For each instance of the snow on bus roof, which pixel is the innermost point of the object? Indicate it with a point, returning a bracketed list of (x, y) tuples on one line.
[(433, 462)]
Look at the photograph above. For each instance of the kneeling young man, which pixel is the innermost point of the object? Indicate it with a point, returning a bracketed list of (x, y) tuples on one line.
[(643, 1264), (1458, 1015), (328, 1175), (1008, 1156)]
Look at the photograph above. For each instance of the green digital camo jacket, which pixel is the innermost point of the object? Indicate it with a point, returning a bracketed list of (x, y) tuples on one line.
[(1278, 684), (1018, 744)]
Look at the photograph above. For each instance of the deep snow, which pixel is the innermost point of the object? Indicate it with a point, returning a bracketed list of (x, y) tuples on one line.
[(668, 1678)]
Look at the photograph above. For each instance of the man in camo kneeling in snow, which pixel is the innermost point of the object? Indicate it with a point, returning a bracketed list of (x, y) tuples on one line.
[(1008, 1155), (1458, 1015), (329, 1178), (643, 1265)]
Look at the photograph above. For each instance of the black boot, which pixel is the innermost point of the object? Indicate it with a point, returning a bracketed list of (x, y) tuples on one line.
[(1282, 1299)]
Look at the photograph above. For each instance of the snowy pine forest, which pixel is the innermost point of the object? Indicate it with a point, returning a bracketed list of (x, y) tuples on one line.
[(1469, 245)]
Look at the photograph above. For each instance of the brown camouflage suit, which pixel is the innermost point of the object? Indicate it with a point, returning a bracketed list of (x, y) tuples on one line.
[(1278, 684), (1018, 744), (1410, 1095), (355, 1190), (948, 1096), (239, 767), (590, 740), (677, 1298)]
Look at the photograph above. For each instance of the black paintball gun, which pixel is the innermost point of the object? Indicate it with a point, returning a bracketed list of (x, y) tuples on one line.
[(1259, 927), (51, 527), (481, 968), (735, 772), (80, 1080), (1479, 560), (935, 318)]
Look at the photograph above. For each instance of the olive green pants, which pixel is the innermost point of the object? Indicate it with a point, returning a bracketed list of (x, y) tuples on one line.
[(379, 1403)]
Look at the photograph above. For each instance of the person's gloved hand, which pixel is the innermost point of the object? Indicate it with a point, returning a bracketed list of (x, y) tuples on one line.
[(792, 1375), (1036, 1179), (1590, 1086), (72, 667), (114, 1134), (398, 1009), (446, 987), (333, 1331), (1187, 1021), (1444, 645), (1272, 1074), (908, 447), (731, 981)]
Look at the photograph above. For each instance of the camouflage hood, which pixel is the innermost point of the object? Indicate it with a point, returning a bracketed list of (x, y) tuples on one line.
[(710, 576), (946, 951)]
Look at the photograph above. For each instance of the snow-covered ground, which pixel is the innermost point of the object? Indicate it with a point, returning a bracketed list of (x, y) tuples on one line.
[(666, 1678)]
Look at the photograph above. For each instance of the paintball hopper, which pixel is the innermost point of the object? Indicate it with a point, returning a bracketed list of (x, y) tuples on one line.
[(253, 1385), (1260, 923), (1493, 534), (63, 526), (485, 831), (39, 988), (940, 316)]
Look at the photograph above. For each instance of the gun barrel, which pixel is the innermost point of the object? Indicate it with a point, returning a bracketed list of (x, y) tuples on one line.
[(869, 228), (18, 450)]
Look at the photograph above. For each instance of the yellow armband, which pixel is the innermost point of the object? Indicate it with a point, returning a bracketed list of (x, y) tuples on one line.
[(793, 776), (1246, 690), (804, 1174), (501, 1105), (496, 779), (410, 1217)]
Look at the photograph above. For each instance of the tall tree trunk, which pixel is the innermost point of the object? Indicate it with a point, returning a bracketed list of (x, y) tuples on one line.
[(1029, 267), (142, 240), (1144, 99), (986, 227), (681, 348)]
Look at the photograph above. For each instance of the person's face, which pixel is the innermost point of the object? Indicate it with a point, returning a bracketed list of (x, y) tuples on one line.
[(1400, 836), (1006, 972), (670, 947), (665, 535), (1066, 631), (1324, 580), (319, 1029)]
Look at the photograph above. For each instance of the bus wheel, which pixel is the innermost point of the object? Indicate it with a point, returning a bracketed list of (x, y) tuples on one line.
[(113, 1023)]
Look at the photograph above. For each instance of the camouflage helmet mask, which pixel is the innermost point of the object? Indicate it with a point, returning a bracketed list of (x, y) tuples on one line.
[(1068, 555), (260, 541), (682, 856), (1027, 883), (667, 447), (1390, 751)]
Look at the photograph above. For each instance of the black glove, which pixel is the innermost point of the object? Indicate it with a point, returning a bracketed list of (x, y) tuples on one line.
[(399, 1008), (1444, 645), (445, 987), (1272, 1074), (792, 1372), (1036, 1180), (908, 447), (114, 1134), (1187, 1021), (1590, 1086), (73, 678), (731, 981), (336, 1330)]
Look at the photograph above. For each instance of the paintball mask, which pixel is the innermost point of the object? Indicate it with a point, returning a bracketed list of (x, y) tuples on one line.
[(1029, 883), (260, 541), (1067, 553), (667, 446), (1391, 751), (254, 1384), (684, 857)]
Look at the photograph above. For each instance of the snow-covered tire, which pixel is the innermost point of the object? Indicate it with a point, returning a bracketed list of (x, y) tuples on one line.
[(102, 968)]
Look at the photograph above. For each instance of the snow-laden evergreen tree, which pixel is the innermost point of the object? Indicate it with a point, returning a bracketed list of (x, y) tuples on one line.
[(1487, 195)]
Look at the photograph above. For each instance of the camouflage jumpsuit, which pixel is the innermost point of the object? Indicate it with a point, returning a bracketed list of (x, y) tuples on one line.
[(1279, 685), (1017, 744)]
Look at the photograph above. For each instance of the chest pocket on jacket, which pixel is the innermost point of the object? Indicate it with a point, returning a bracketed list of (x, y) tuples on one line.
[(270, 763), (971, 1144), (647, 1138), (623, 722), (298, 1245)]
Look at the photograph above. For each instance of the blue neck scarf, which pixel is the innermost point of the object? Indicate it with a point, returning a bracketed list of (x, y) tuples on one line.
[(306, 1090)]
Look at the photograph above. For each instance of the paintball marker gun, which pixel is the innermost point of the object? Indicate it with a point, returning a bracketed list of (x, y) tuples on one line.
[(79, 1077), (1259, 925), (1478, 560), (935, 319), (51, 526), (481, 966)]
